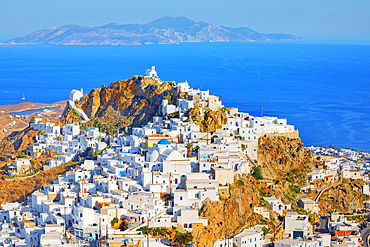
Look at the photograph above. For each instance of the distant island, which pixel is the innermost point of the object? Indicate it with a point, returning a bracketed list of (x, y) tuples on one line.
[(166, 30)]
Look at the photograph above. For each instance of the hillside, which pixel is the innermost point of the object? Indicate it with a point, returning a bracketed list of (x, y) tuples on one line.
[(166, 30), (236, 205), (10, 123), (284, 157), (130, 102)]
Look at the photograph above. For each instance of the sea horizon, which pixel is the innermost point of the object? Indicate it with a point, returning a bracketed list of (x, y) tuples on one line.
[(319, 87)]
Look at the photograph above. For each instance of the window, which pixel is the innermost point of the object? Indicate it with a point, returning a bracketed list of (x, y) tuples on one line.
[(319, 243), (80, 214), (180, 198)]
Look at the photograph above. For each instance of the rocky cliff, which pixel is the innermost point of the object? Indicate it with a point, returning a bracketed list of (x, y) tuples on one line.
[(345, 197), (277, 156), (127, 102), (210, 121), (16, 142), (283, 157)]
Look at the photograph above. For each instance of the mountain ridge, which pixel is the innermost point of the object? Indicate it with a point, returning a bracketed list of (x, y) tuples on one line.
[(165, 30)]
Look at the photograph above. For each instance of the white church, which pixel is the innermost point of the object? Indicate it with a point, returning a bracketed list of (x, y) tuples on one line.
[(152, 73)]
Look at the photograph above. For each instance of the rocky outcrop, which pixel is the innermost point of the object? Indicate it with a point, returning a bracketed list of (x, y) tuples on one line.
[(17, 141), (231, 215), (280, 156), (210, 121), (134, 101), (344, 197)]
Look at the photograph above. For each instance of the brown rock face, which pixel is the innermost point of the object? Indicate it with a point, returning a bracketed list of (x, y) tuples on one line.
[(344, 197), (137, 100), (231, 215), (17, 141), (281, 155), (70, 116), (211, 121)]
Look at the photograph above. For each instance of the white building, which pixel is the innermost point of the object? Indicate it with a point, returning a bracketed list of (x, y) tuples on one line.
[(249, 238), (76, 95)]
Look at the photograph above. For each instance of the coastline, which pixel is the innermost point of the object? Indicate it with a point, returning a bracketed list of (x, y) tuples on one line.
[(25, 106)]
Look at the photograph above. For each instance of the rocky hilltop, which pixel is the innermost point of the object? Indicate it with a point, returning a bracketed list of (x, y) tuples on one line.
[(281, 156), (166, 30), (130, 102)]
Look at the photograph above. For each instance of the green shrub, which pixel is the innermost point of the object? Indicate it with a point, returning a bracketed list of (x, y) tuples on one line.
[(240, 182), (256, 173)]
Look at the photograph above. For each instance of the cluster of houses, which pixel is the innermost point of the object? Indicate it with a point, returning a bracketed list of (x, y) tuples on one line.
[(350, 164), (343, 152), (158, 175)]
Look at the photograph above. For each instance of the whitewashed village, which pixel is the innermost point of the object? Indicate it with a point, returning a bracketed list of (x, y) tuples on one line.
[(132, 173)]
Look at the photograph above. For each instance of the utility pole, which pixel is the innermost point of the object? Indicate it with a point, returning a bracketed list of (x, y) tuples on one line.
[(261, 111), (82, 191), (147, 231), (170, 188), (99, 232), (225, 220), (65, 223), (106, 236)]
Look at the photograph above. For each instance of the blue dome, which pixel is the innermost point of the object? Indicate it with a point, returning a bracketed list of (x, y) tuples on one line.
[(164, 142)]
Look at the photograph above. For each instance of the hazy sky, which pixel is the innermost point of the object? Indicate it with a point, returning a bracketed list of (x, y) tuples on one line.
[(305, 18)]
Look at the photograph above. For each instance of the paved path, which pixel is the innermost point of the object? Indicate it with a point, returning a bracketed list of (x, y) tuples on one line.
[(72, 105), (323, 228), (365, 235), (327, 187)]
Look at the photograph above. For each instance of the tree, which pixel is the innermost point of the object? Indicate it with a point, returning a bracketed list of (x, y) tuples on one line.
[(189, 145), (265, 231), (22, 155), (183, 239), (256, 173)]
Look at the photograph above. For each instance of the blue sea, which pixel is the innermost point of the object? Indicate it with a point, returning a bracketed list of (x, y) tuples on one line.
[(323, 89)]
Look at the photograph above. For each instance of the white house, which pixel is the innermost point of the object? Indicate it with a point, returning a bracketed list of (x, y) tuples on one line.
[(277, 205), (249, 238), (297, 225)]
